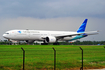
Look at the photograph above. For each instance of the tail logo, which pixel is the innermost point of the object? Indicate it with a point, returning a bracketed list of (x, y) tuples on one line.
[(82, 27)]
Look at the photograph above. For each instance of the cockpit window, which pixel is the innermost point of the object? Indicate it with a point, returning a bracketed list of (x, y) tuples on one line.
[(6, 33)]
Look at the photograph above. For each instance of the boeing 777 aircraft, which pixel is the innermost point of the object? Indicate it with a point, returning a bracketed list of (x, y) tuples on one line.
[(48, 36)]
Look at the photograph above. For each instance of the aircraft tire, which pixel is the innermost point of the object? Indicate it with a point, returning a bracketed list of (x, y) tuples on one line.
[(56, 43), (44, 43)]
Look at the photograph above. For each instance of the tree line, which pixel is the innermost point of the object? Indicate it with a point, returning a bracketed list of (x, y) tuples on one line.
[(5, 42), (84, 43)]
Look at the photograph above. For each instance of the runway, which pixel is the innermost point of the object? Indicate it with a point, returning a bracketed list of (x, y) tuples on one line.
[(94, 69)]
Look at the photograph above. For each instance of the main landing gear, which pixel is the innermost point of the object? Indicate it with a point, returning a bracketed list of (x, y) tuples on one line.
[(44, 43), (56, 43)]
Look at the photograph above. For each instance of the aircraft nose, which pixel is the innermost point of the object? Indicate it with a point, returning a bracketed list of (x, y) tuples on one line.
[(4, 35)]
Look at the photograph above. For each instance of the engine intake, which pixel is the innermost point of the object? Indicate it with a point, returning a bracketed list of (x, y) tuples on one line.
[(50, 39)]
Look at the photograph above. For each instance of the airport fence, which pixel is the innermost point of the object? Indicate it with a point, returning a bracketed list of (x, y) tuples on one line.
[(51, 58)]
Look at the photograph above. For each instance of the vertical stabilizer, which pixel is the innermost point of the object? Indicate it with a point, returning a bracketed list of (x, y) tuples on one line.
[(82, 27)]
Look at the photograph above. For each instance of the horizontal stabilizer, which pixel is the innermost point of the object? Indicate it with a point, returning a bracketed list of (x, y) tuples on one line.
[(92, 32)]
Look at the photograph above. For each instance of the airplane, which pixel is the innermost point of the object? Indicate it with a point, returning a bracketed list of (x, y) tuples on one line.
[(48, 36)]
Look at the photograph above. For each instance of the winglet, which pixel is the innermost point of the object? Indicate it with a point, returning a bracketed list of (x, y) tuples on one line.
[(82, 27)]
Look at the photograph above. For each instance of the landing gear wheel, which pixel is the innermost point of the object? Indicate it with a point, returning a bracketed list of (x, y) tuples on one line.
[(56, 43), (44, 43)]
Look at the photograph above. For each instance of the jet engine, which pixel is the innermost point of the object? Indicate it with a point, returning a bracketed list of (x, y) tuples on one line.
[(50, 39)]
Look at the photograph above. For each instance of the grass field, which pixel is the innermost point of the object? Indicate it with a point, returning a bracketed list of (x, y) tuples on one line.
[(38, 57)]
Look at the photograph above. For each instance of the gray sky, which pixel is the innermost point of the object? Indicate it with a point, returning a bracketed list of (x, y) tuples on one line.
[(66, 15)]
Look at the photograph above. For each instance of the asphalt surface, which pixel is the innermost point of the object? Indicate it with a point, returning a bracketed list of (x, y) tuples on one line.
[(94, 69)]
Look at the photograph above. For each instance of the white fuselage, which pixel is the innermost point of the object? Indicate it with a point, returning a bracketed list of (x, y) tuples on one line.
[(35, 34)]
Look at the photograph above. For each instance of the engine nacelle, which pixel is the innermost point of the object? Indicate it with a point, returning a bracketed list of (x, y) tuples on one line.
[(50, 39)]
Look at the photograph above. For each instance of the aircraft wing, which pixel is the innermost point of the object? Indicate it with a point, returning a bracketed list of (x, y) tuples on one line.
[(86, 33), (62, 36)]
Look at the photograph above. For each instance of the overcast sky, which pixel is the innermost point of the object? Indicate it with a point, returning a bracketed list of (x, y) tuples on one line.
[(63, 15)]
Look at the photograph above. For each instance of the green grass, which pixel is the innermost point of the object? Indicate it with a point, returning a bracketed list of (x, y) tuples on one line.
[(42, 57)]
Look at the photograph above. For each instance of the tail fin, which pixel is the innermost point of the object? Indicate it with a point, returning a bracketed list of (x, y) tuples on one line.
[(82, 27)]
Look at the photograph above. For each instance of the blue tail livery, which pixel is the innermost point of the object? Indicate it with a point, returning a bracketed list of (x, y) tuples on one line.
[(82, 27)]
